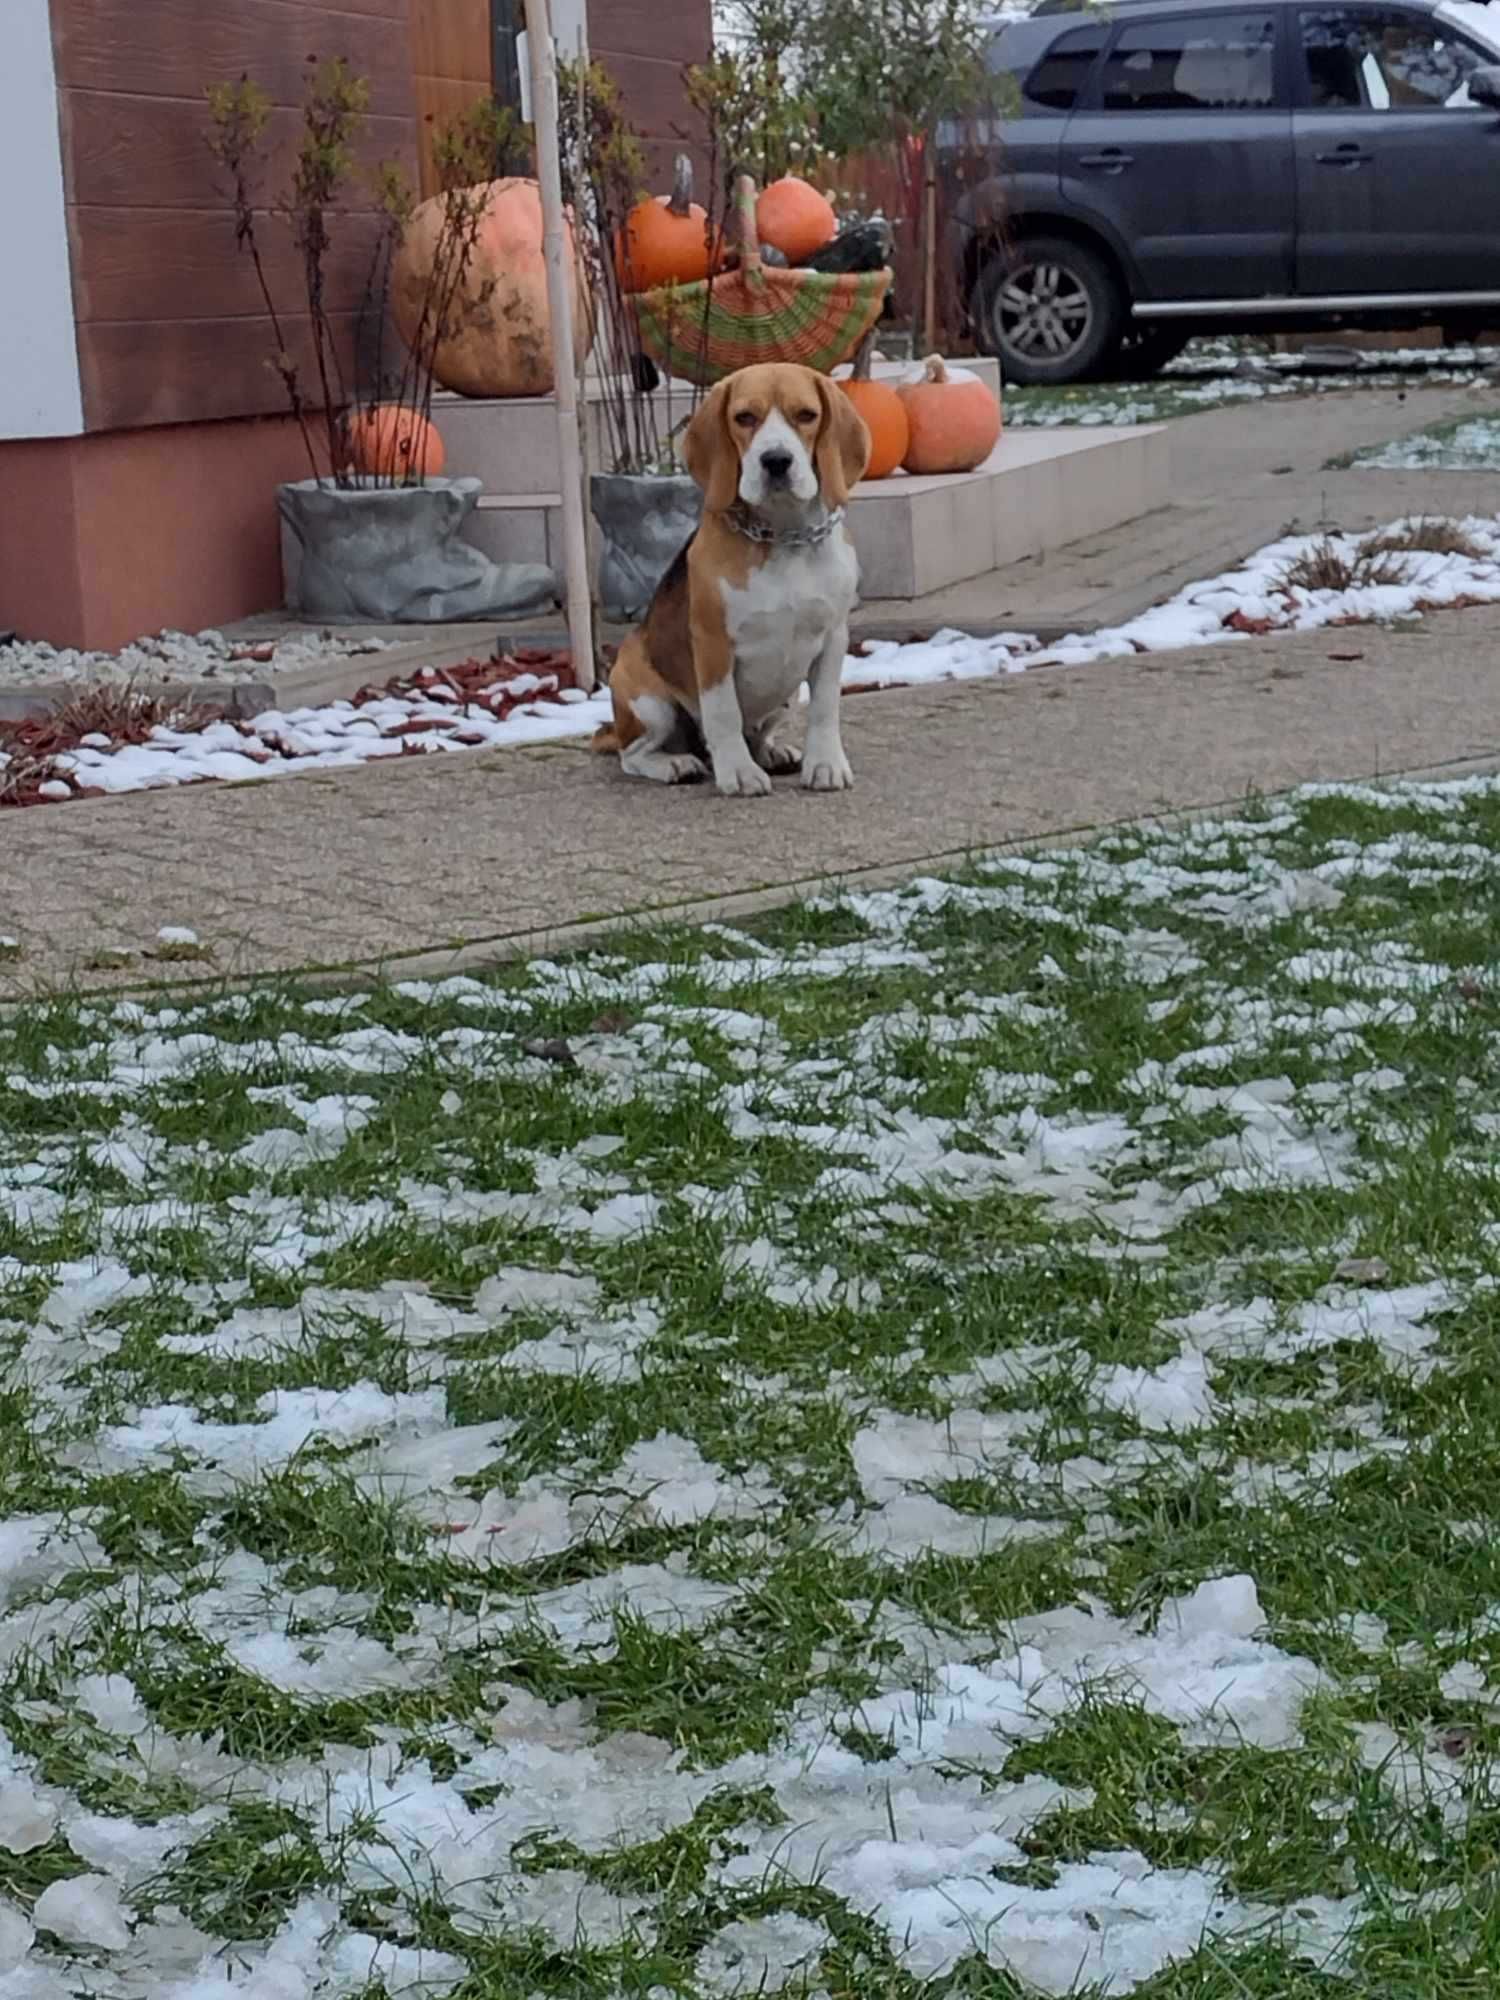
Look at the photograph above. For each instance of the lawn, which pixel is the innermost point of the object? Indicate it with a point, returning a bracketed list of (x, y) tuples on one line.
[(1213, 373), (1467, 444), (944, 1445)]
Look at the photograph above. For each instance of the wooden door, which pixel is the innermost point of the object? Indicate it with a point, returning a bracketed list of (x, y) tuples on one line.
[(451, 65)]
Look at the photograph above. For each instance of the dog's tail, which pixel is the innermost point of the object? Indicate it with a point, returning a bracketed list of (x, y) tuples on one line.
[(605, 739)]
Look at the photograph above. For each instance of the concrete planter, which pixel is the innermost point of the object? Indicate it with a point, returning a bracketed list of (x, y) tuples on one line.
[(391, 555), (645, 520)]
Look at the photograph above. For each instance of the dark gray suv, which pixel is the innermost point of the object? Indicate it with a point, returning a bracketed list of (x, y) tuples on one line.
[(1171, 167)]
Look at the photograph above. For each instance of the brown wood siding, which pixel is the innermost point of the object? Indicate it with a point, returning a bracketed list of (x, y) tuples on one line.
[(645, 45), (170, 323), (450, 52)]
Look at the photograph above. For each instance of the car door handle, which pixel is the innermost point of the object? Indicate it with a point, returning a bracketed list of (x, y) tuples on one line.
[(1113, 160), (1348, 155)]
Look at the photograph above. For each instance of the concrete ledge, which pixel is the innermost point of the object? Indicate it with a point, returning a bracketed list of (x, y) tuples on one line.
[(1037, 491), (509, 443)]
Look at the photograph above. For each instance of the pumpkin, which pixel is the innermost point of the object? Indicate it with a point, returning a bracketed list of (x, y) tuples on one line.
[(795, 219), (664, 239), (498, 340), (954, 419), (884, 414), (391, 442)]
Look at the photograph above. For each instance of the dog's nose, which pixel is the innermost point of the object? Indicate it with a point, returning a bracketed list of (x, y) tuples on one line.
[(776, 464)]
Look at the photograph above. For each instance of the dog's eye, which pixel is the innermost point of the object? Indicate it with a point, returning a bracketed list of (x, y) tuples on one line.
[(807, 416), (747, 420)]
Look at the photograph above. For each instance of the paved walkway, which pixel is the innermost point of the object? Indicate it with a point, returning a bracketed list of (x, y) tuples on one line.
[(440, 862), (1240, 476)]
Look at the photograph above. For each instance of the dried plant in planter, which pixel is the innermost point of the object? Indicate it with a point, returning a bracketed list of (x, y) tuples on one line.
[(603, 177), (888, 105), (376, 533), (362, 418), (488, 142)]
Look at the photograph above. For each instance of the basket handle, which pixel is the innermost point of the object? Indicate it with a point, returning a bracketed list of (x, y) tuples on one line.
[(744, 203)]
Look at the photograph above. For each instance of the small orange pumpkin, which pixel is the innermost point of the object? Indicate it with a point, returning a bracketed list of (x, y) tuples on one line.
[(664, 239), (884, 414), (795, 219), (954, 420), (391, 442)]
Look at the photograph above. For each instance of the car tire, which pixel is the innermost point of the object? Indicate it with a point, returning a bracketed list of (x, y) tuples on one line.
[(1051, 309)]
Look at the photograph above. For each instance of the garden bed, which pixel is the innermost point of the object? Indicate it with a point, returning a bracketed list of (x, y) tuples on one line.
[(112, 742)]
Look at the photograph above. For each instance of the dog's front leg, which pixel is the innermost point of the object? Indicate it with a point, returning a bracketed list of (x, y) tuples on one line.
[(825, 768), (736, 772), (769, 746)]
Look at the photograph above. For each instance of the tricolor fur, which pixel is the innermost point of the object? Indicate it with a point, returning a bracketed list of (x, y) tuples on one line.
[(758, 602)]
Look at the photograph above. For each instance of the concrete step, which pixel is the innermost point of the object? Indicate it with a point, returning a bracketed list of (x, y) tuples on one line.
[(509, 443), (518, 528), (1038, 491)]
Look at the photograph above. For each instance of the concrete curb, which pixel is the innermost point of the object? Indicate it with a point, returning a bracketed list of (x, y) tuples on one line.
[(502, 948)]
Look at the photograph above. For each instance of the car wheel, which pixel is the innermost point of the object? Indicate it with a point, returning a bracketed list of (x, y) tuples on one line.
[(1051, 309)]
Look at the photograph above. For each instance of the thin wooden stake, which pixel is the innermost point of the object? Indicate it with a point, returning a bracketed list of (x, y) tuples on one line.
[(542, 60), (929, 250), (583, 194)]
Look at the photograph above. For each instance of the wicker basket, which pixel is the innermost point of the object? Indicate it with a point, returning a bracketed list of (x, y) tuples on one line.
[(758, 312)]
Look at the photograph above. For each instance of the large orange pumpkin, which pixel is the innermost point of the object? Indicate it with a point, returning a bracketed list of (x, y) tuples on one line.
[(664, 240), (795, 219), (389, 442), (499, 339), (954, 419)]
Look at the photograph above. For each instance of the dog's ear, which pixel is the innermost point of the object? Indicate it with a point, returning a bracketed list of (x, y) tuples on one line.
[(708, 451), (843, 448)]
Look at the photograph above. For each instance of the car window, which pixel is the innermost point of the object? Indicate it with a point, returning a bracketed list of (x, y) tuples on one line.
[(1192, 62), (1064, 69), (1383, 59)]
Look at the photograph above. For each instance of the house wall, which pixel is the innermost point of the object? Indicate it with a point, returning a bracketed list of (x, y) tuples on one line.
[(117, 533), (170, 327), (450, 48), (161, 512), (645, 45)]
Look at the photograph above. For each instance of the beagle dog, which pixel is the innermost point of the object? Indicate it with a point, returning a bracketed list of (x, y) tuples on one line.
[(759, 600)]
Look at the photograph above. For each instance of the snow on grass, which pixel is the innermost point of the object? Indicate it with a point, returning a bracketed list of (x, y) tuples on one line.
[(1214, 373), (1469, 444), (953, 1441)]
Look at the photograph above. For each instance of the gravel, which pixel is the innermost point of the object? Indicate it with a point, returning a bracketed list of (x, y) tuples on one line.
[(209, 657)]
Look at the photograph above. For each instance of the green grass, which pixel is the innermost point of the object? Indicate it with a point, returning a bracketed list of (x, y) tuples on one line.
[(1213, 374), (890, 1210), (1465, 444)]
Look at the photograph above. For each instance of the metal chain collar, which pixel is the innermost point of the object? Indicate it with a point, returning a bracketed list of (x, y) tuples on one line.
[(743, 522)]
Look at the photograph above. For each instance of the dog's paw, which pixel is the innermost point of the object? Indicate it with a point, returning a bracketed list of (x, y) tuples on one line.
[(743, 779), (826, 771), (779, 757), (687, 770)]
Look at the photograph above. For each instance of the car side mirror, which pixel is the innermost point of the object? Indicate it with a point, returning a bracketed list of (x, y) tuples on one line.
[(1484, 86)]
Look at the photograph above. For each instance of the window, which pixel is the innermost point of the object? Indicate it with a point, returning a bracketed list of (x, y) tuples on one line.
[(1064, 69), (1383, 59), (1193, 62)]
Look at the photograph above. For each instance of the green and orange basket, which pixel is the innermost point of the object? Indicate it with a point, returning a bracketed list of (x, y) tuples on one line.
[(758, 312)]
